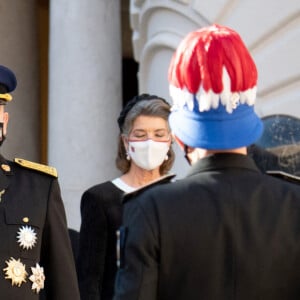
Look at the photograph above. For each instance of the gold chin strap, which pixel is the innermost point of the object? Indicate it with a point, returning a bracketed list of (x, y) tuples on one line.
[(7, 97)]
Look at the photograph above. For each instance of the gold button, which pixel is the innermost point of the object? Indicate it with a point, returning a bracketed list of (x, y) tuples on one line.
[(25, 220), (5, 167)]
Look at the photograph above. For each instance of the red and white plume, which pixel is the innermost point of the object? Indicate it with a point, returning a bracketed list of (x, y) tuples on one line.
[(213, 64)]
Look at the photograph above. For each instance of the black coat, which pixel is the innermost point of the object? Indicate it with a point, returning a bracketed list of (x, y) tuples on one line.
[(31, 198), (101, 212), (227, 231)]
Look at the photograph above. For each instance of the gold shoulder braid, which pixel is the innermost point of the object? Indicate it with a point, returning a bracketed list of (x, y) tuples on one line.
[(7, 97), (35, 166)]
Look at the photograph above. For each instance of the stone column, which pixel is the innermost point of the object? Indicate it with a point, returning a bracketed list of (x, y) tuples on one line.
[(19, 52), (84, 95)]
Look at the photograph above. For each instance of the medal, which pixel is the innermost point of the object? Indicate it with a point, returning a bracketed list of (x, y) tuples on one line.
[(26, 237), (37, 278), (15, 271)]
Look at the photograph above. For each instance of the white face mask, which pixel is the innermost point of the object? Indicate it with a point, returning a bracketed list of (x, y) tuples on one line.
[(148, 154)]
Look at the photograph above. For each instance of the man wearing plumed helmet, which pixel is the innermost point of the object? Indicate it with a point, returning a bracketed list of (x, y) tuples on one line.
[(227, 230)]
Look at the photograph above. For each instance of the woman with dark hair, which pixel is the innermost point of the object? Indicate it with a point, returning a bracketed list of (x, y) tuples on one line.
[(144, 155)]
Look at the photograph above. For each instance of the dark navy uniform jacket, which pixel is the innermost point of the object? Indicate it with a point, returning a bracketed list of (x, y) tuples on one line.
[(31, 199), (225, 232)]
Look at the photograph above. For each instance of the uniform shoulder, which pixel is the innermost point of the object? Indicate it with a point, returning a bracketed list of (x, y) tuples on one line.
[(36, 166), (162, 180)]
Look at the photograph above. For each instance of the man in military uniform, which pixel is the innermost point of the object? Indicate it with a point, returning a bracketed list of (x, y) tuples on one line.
[(36, 259), (226, 231)]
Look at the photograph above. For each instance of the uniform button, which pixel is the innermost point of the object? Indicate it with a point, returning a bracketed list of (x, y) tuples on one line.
[(5, 167)]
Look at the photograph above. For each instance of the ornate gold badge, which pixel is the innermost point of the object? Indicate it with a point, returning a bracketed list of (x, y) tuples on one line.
[(26, 237), (37, 278), (15, 271)]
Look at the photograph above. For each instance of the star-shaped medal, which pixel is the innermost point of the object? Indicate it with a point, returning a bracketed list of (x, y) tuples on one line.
[(37, 278), (26, 237), (15, 271)]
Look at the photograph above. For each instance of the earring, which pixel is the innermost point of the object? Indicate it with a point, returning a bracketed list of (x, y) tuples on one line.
[(167, 157), (127, 156)]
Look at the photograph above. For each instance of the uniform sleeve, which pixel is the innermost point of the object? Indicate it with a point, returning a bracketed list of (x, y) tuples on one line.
[(137, 276), (57, 256), (92, 247)]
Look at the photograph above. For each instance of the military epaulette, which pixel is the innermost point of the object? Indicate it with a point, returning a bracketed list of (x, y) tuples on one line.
[(35, 166), (284, 175), (164, 179)]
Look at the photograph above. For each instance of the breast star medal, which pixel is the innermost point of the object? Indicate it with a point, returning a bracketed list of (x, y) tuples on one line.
[(26, 237), (15, 271), (37, 278)]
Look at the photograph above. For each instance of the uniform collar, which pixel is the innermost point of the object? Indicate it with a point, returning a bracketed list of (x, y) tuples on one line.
[(221, 161)]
